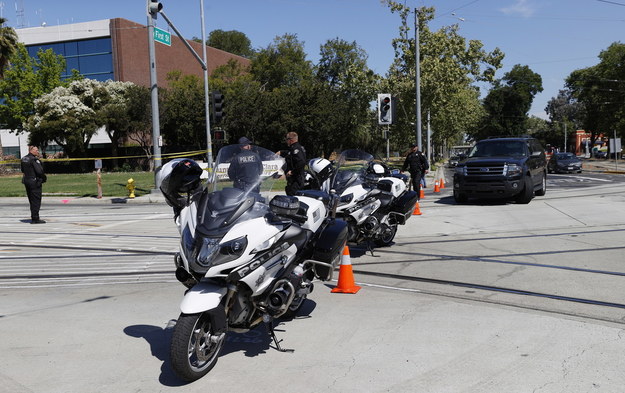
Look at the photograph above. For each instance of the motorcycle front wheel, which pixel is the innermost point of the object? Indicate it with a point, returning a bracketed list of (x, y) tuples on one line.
[(194, 346), (387, 236)]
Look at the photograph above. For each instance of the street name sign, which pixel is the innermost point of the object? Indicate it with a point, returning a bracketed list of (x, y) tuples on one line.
[(162, 36)]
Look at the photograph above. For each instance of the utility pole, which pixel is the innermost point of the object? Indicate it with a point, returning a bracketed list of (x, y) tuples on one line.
[(417, 79), (565, 136)]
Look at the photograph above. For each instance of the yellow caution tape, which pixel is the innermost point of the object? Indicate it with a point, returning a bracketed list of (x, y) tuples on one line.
[(170, 155)]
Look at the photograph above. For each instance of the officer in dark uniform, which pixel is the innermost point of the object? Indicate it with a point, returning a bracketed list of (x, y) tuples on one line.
[(33, 179), (246, 168), (294, 169), (417, 165)]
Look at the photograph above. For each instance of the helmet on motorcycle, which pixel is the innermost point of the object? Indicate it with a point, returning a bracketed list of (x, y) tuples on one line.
[(321, 168), (377, 169), (178, 176)]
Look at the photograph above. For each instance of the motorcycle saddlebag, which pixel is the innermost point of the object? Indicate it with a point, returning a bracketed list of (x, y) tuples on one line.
[(403, 206), (329, 245)]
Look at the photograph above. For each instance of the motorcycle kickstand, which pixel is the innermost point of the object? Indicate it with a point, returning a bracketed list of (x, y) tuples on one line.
[(370, 248), (272, 333)]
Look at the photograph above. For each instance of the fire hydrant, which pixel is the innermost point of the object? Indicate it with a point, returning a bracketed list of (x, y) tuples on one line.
[(131, 187)]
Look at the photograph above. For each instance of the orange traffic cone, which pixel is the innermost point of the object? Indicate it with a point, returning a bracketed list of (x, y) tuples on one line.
[(421, 194), (442, 183), (436, 186), (346, 282), (416, 211)]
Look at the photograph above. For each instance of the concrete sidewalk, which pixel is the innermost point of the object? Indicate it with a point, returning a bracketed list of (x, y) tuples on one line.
[(607, 166), (155, 197)]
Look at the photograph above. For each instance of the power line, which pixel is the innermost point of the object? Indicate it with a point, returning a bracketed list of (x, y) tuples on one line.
[(611, 2)]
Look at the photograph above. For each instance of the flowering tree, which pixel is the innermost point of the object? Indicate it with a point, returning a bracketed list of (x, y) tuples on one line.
[(68, 116)]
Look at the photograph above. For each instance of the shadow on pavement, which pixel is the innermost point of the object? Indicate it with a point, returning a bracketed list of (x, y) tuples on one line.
[(254, 342), (159, 340)]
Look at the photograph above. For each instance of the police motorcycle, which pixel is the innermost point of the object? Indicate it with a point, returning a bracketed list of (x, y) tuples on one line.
[(373, 200), (247, 256)]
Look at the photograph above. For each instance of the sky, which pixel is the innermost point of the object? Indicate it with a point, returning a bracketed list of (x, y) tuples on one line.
[(552, 37)]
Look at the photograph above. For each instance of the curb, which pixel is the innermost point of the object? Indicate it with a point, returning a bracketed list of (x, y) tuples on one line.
[(48, 200)]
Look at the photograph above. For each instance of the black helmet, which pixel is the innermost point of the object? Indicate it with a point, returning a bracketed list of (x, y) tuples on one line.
[(178, 176)]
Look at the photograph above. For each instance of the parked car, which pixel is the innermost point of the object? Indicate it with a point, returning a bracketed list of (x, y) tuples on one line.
[(564, 163), (502, 168), (454, 160)]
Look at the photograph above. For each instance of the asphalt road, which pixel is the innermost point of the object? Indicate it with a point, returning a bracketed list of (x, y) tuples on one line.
[(482, 297)]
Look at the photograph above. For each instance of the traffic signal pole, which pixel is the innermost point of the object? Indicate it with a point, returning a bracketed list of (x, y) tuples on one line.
[(209, 141), (153, 8)]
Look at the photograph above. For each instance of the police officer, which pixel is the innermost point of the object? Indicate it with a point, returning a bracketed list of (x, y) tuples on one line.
[(246, 167), (417, 165), (295, 158), (33, 179)]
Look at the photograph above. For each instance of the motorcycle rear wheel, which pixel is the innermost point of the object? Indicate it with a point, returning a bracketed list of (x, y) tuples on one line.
[(194, 346), (386, 239)]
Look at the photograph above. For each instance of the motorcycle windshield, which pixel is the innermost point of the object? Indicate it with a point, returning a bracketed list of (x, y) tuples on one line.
[(238, 188), (351, 169)]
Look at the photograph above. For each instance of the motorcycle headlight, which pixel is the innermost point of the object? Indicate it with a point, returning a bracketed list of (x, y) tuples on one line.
[(346, 198), (212, 253), (512, 170), (234, 247), (208, 249)]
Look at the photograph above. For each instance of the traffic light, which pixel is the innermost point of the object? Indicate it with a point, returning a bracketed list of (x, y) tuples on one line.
[(219, 136), (385, 109), (154, 7), (218, 107)]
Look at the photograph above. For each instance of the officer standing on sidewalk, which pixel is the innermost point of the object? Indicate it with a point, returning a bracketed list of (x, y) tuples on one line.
[(33, 179), (417, 165), (295, 165)]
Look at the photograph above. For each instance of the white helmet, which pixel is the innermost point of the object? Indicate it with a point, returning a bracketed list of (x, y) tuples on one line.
[(378, 169), (321, 168)]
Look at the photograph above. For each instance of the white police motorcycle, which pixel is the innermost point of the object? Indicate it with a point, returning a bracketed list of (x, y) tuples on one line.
[(244, 258), (372, 199)]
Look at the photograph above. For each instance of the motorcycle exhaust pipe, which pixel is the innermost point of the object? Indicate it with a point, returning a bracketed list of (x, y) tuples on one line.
[(281, 297)]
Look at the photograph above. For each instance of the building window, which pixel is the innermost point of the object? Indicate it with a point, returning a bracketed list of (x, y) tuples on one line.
[(93, 58)]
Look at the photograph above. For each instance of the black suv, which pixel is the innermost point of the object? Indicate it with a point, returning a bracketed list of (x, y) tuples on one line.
[(514, 167)]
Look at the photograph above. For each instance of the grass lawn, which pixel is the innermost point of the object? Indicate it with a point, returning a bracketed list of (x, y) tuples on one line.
[(82, 185)]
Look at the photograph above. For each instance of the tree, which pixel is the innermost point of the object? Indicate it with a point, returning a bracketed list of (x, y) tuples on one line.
[(231, 41), (600, 90), (183, 120), (124, 111), (282, 63), (68, 116), (8, 45), (349, 87), (26, 79), (139, 110), (565, 113), (508, 103), (450, 65)]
